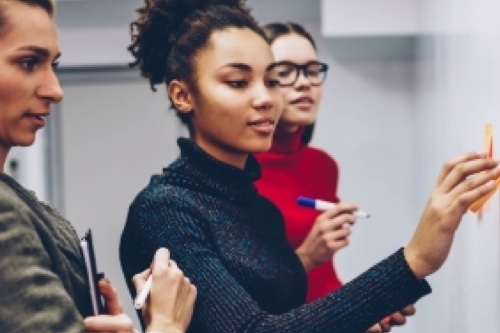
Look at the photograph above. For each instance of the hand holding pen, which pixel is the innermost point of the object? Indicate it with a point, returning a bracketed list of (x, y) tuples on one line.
[(165, 295), (329, 233), (325, 205)]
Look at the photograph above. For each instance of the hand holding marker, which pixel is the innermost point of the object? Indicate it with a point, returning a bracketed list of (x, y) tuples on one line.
[(140, 299), (325, 205)]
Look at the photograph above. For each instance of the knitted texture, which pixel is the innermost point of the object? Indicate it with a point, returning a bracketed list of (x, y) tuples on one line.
[(291, 169), (231, 243)]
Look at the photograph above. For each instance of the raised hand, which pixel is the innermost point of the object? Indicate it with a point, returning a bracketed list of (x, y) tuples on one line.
[(461, 182)]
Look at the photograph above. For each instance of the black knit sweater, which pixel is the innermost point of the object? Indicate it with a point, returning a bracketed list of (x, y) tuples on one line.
[(230, 242)]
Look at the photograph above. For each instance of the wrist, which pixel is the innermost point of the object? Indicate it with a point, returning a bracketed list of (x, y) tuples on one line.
[(414, 263), (163, 327), (305, 260)]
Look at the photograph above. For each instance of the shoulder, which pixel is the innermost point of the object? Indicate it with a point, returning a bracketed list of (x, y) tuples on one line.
[(12, 205), (318, 153), (319, 157), (161, 204), (158, 195)]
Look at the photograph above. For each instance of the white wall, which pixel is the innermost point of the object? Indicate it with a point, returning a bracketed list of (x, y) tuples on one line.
[(458, 93), (115, 136), (366, 122)]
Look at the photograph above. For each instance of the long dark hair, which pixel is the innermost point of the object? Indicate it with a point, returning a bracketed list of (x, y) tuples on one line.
[(278, 29)]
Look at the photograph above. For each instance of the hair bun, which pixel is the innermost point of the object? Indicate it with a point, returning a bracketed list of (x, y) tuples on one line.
[(183, 8), (167, 29)]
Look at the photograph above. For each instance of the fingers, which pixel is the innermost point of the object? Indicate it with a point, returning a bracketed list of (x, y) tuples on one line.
[(172, 295), (140, 279), (327, 224), (450, 165), (472, 189), (160, 261), (110, 295), (162, 258), (385, 325), (108, 323), (468, 165), (462, 182), (409, 310), (187, 296), (337, 240), (340, 209), (335, 233), (374, 329), (397, 319)]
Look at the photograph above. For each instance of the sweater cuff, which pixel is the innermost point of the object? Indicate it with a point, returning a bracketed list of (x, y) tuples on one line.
[(394, 283)]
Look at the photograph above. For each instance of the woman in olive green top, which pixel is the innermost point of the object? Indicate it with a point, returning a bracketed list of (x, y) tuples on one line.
[(42, 275)]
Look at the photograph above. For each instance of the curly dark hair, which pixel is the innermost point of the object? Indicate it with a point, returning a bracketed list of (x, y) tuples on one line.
[(169, 33), (278, 29), (47, 5)]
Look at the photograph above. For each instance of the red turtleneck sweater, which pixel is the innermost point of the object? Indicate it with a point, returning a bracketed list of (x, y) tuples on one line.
[(289, 170)]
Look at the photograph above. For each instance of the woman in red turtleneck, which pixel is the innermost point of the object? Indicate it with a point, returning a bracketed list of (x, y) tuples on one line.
[(292, 168)]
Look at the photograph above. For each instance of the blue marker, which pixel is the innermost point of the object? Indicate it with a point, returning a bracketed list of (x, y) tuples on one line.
[(325, 205)]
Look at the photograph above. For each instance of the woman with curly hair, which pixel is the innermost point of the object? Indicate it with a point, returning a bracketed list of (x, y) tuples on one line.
[(222, 80), (42, 273)]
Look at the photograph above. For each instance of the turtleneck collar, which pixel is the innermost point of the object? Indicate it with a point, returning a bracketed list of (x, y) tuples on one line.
[(284, 143), (201, 170)]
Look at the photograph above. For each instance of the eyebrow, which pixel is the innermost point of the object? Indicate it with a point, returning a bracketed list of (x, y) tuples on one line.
[(247, 68), (39, 51), (273, 65), (238, 65)]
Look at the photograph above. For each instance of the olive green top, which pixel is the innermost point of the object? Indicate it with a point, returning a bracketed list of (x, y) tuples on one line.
[(42, 274)]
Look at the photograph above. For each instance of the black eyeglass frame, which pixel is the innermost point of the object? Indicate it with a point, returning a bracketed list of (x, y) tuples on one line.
[(303, 68)]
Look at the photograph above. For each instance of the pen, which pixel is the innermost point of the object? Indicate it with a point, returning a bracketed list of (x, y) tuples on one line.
[(143, 294), (325, 205)]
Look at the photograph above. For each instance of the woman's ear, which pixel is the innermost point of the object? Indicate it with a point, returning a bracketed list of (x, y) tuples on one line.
[(180, 96)]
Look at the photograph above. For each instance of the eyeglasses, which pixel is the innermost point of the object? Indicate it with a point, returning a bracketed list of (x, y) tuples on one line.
[(288, 72)]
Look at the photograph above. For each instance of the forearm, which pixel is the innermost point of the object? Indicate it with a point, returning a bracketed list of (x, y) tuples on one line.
[(305, 259), (383, 289)]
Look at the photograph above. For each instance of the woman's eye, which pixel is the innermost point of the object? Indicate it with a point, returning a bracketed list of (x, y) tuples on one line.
[(55, 65), (30, 64), (284, 74), (273, 83), (313, 73), (237, 83)]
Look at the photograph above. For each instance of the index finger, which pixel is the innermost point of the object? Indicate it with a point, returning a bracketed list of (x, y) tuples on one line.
[(463, 172), (110, 295), (161, 258), (140, 279), (341, 208), (450, 165)]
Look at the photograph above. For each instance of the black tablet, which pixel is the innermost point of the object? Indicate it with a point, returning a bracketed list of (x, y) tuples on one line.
[(87, 249)]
